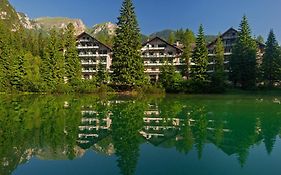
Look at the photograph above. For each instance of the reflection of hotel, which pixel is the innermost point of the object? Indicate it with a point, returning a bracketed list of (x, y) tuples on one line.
[(93, 127), (156, 128)]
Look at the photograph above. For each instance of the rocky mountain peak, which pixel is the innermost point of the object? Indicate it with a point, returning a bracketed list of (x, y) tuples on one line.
[(108, 28)]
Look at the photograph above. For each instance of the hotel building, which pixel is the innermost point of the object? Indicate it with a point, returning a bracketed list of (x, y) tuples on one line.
[(155, 53), (228, 38), (91, 53)]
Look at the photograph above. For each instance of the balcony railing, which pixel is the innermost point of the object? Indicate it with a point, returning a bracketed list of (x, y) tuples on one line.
[(87, 47), (93, 55), (88, 71), (161, 64), (158, 56), (153, 48)]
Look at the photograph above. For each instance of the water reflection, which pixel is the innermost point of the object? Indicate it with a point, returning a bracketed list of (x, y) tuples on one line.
[(63, 128)]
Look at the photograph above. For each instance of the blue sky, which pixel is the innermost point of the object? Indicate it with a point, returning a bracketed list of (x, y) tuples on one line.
[(154, 15)]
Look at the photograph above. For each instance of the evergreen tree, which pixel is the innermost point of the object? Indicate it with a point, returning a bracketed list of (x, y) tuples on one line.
[(17, 72), (5, 57), (179, 35), (127, 64), (172, 38), (52, 63), (218, 76), (32, 69), (198, 71), (102, 74), (243, 60), (189, 40), (271, 64), (169, 78), (72, 61), (260, 39)]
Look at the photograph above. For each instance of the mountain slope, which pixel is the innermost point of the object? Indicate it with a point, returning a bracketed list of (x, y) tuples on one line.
[(166, 33), (9, 15), (47, 23)]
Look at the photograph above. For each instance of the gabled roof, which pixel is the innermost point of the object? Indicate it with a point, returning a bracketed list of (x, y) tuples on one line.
[(158, 38), (85, 33), (221, 36), (231, 29)]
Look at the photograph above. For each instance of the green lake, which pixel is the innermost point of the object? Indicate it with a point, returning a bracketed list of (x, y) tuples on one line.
[(176, 134)]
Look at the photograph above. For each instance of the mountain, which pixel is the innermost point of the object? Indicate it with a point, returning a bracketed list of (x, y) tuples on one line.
[(9, 15), (25, 21), (47, 23), (106, 28), (162, 34), (166, 33)]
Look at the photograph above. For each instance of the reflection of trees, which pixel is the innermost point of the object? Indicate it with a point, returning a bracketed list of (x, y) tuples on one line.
[(127, 122), (200, 129), (30, 125), (49, 127)]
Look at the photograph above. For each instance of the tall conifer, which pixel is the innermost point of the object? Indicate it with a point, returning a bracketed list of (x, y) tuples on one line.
[(72, 61), (127, 64), (218, 76), (271, 67), (198, 71), (243, 60)]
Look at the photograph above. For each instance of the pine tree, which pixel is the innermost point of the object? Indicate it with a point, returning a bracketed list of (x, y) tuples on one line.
[(260, 39), (32, 68), (169, 78), (218, 76), (198, 71), (189, 40), (243, 60), (172, 38), (127, 64), (72, 61), (53, 63), (5, 57), (102, 74), (179, 35), (18, 72), (271, 67)]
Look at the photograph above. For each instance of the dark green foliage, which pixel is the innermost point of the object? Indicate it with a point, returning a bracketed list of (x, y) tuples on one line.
[(198, 71), (172, 38), (126, 124), (127, 64), (105, 38), (17, 73), (72, 61), (102, 74), (169, 78), (53, 63), (260, 39), (5, 57), (271, 63), (189, 40), (218, 77), (243, 60)]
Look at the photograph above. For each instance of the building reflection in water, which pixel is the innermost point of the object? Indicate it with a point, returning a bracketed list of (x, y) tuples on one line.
[(57, 128)]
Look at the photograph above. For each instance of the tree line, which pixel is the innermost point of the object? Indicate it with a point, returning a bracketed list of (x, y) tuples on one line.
[(251, 67), (33, 62)]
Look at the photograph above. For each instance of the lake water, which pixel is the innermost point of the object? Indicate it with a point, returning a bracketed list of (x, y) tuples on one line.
[(86, 135)]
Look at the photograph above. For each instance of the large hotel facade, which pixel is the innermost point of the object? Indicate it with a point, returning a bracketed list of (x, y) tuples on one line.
[(155, 53)]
